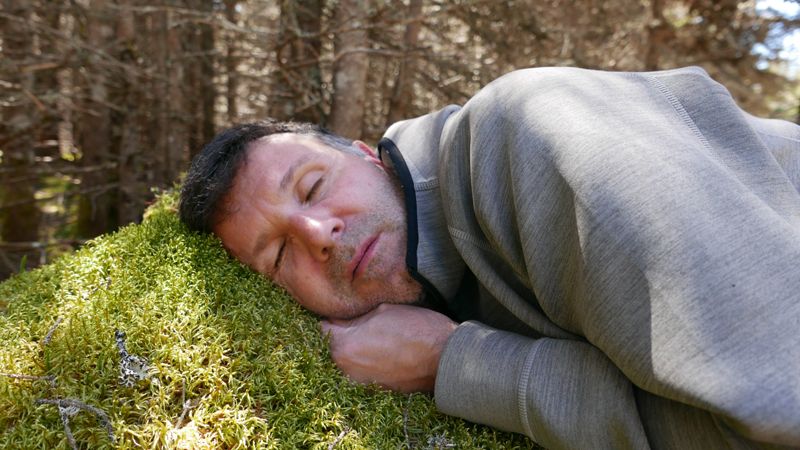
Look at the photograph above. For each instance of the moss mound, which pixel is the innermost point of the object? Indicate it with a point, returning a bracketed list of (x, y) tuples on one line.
[(219, 358)]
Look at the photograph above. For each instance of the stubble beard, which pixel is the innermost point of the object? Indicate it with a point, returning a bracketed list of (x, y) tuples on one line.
[(402, 288)]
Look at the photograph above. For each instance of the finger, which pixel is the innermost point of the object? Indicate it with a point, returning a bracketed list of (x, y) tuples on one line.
[(338, 322), (331, 327)]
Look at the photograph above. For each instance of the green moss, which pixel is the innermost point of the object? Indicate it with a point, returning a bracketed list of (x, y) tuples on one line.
[(234, 362)]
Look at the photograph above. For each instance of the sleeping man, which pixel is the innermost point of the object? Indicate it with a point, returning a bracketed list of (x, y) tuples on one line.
[(594, 259)]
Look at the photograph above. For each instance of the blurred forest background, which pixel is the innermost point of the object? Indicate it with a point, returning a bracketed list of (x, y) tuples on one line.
[(102, 102)]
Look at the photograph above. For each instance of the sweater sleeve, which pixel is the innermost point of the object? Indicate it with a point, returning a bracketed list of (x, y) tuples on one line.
[(646, 214), (560, 393)]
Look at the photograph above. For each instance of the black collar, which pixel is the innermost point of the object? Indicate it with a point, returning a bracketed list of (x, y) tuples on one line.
[(433, 299)]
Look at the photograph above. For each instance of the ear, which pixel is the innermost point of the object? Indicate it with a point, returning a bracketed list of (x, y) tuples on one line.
[(369, 153)]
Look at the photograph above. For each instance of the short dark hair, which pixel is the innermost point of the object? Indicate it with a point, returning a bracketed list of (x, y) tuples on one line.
[(213, 170)]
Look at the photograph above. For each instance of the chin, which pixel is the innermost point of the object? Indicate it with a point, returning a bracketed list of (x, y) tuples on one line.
[(352, 311)]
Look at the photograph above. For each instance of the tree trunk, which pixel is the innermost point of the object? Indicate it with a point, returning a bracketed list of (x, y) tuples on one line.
[(659, 33), (231, 64), (403, 92), (159, 129), (132, 192), (194, 85), (94, 215), (174, 103), (168, 126), (296, 91), (207, 72), (350, 69), (65, 78), (21, 218), (20, 215)]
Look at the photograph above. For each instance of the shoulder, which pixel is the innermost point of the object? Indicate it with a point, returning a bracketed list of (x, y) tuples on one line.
[(418, 141)]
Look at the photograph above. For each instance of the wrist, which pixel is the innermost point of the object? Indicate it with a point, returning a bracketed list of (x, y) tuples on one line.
[(439, 345)]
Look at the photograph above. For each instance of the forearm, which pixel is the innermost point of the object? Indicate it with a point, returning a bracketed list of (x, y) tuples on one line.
[(562, 394)]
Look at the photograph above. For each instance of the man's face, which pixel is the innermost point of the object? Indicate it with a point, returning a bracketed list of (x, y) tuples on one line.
[(326, 225)]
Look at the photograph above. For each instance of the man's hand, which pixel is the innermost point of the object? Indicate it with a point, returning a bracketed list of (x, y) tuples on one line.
[(395, 346)]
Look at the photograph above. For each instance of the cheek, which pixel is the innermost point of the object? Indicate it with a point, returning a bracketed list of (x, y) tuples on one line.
[(304, 284), (308, 297), (358, 186)]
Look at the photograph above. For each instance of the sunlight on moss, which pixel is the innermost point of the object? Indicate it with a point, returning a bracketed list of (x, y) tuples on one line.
[(232, 362)]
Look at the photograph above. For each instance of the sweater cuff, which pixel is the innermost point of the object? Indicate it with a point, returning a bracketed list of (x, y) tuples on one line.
[(481, 376)]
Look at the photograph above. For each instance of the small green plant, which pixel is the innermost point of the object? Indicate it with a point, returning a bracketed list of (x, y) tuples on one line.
[(214, 356), (23, 264)]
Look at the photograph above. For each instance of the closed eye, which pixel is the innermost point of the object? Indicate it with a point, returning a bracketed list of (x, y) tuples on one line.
[(279, 258), (313, 191)]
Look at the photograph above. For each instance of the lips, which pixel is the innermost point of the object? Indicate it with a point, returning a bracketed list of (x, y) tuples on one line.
[(362, 257)]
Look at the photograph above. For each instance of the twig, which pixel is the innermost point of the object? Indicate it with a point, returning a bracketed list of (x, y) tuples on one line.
[(51, 331), (31, 172), (39, 105), (34, 245), (188, 405), (75, 47), (47, 65), (7, 262), (339, 438), (49, 378), (70, 402), (373, 51), (405, 422), (65, 414), (98, 189), (179, 422)]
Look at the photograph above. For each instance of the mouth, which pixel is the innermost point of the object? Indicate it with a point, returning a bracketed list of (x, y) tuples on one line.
[(362, 256)]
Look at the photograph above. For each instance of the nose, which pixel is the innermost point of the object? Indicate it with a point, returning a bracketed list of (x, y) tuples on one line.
[(317, 233)]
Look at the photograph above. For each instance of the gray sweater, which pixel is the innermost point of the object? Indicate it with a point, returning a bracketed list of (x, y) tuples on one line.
[(629, 245)]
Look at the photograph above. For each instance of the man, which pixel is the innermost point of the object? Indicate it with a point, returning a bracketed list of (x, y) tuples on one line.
[(620, 250)]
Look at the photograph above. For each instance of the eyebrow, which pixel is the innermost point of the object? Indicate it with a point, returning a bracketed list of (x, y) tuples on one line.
[(287, 178), (289, 175)]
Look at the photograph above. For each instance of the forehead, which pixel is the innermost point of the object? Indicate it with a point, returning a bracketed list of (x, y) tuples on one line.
[(279, 150), (268, 160)]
